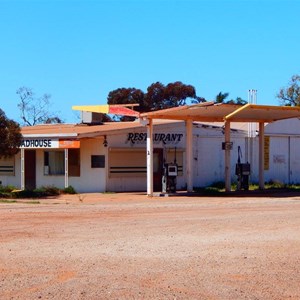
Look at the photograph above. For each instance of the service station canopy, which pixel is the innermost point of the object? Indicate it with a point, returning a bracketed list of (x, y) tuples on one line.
[(211, 112)]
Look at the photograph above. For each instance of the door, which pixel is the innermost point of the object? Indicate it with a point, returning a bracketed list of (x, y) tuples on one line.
[(30, 169), (294, 160), (157, 169)]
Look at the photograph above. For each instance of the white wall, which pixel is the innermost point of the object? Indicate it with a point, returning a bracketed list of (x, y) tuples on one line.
[(90, 180), (284, 165), (284, 152), (284, 127), (139, 182), (209, 159), (279, 160)]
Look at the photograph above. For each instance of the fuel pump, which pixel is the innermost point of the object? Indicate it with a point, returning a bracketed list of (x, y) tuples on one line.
[(169, 177), (242, 170)]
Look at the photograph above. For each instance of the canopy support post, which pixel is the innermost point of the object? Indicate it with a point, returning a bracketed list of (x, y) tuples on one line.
[(150, 158), (261, 155), (227, 157), (189, 154)]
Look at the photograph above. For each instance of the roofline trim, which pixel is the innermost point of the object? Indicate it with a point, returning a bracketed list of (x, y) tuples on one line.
[(35, 135)]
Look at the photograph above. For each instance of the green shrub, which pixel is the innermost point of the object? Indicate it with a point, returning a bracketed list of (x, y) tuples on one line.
[(39, 192), (51, 190), (24, 194), (218, 185), (7, 201), (275, 184), (206, 190), (44, 191), (5, 195), (69, 190), (7, 188)]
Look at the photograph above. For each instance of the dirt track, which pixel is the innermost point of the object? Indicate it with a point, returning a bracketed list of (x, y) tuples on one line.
[(127, 246)]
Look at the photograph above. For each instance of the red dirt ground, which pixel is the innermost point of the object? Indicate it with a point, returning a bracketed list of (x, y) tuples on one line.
[(129, 246)]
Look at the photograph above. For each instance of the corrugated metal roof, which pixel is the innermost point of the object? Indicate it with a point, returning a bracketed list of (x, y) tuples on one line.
[(84, 130), (77, 130)]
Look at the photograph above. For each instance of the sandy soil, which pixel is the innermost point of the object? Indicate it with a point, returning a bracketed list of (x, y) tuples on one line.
[(128, 246)]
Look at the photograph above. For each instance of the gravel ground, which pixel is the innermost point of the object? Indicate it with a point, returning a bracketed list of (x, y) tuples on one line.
[(128, 246)]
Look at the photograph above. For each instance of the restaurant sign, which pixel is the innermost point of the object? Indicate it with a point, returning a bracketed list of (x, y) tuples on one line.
[(164, 138)]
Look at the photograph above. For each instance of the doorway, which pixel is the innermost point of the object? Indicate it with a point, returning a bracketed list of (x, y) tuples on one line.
[(30, 169)]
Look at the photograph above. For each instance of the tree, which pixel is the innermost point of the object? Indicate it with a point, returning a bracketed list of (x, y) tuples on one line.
[(238, 101), (158, 96), (127, 96), (10, 136), (290, 96), (52, 120), (173, 94), (198, 100), (154, 99), (220, 98), (35, 110), (176, 94)]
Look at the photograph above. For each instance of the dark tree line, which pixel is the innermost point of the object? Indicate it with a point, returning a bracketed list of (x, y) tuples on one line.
[(222, 98), (10, 136), (160, 96)]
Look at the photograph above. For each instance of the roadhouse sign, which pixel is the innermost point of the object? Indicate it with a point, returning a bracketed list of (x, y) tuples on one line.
[(49, 143)]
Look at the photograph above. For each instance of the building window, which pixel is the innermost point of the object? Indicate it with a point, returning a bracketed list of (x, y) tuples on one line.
[(7, 166), (54, 162), (98, 161)]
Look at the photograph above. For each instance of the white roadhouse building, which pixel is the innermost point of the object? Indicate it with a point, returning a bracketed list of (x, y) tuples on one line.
[(112, 156)]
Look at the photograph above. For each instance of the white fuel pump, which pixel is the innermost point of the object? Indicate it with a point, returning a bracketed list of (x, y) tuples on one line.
[(169, 177)]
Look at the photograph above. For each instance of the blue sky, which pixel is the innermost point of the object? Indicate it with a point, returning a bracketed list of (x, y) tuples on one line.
[(79, 51)]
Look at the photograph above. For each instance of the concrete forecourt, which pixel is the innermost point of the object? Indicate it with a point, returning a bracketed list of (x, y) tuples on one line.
[(130, 246)]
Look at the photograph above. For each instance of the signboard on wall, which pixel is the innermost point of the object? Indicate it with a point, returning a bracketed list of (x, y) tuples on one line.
[(227, 145), (65, 144), (46, 143)]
